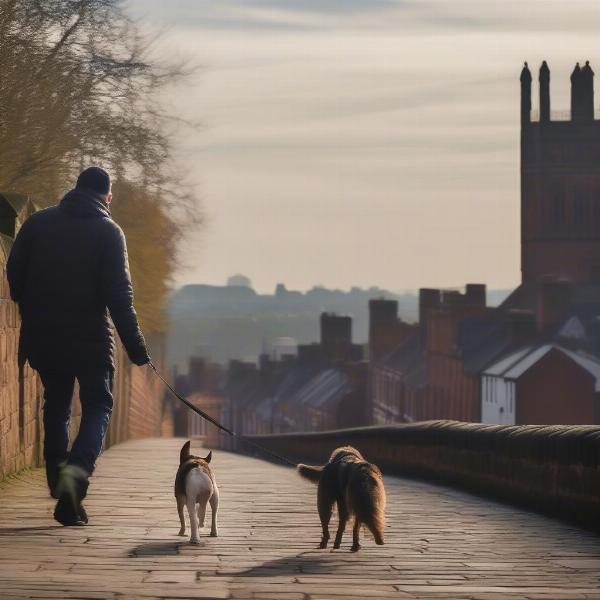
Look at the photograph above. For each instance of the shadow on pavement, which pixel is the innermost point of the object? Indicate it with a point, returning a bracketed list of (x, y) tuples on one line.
[(157, 549), (8, 531), (304, 563)]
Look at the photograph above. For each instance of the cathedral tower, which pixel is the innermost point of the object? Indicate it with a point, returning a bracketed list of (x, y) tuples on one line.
[(560, 184)]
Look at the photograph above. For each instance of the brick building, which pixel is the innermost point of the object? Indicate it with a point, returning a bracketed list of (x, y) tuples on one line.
[(546, 384), (424, 373), (560, 184), (442, 368)]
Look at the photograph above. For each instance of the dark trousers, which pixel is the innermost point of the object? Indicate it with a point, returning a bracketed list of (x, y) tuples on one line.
[(95, 393)]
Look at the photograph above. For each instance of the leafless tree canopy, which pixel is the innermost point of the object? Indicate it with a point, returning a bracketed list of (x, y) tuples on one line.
[(78, 86)]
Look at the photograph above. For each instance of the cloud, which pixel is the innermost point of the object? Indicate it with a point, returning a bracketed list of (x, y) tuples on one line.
[(382, 135), (411, 16)]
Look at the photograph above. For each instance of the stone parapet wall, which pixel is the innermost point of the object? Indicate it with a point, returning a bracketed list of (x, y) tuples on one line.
[(554, 469)]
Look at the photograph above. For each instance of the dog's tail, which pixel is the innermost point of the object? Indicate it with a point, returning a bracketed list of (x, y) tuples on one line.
[(367, 497), (311, 473)]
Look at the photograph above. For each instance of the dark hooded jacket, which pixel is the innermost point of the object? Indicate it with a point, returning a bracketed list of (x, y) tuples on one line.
[(68, 270)]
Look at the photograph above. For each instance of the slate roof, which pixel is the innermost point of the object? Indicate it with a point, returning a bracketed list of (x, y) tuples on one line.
[(519, 362), (504, 364), (326, 388), (488, 339), (408, 359), (585, 297), (482, 340), (293, 379)]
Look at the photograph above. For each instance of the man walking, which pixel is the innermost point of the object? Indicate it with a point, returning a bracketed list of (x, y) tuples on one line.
[(68, 269)]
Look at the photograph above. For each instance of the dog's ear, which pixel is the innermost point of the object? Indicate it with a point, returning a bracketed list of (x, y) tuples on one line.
[(208, 457), (185, 452)]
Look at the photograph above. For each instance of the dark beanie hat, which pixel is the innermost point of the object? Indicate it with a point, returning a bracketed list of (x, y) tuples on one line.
[(96, 179)]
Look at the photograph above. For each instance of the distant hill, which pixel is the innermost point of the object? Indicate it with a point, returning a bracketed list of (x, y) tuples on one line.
[(235, 322)]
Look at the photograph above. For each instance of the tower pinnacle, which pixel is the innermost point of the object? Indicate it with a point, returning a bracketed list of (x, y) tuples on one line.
[(544, 79), (525, 94)]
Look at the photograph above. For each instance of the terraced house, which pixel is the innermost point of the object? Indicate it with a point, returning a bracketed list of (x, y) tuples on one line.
[(322, 386)]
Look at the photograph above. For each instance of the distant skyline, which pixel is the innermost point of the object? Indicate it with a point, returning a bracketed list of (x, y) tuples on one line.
[(348, 142)]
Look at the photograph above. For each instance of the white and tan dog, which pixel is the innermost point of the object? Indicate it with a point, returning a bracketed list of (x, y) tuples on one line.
[(195, 484)]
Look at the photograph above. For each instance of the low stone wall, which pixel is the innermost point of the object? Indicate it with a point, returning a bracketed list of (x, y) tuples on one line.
[(553, 469)]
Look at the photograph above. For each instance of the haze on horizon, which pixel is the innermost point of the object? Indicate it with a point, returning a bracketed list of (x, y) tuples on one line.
[(362, 143)]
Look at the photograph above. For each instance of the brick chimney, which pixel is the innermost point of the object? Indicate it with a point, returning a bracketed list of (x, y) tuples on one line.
[(336, 337), (440, 312), (386, 330), (475, 294), (429, 301)]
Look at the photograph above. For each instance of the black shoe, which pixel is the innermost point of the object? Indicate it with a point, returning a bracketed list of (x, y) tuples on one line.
[(71, 489), (83, 514), (67, 514)]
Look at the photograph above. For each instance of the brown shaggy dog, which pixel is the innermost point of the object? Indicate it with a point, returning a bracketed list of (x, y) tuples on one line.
[(357, 487)]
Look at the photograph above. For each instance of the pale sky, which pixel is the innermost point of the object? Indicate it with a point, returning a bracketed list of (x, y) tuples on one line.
[(362, 142)]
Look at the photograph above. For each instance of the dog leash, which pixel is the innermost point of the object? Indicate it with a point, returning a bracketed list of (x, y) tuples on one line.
[(218, 425)]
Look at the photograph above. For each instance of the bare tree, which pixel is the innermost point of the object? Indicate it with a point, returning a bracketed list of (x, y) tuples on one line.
[(79, 86)]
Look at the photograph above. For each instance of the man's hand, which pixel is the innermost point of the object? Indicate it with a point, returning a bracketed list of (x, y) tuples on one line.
[(140, 357)]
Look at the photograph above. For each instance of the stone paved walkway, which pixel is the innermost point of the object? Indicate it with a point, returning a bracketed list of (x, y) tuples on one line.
[(440, 543)]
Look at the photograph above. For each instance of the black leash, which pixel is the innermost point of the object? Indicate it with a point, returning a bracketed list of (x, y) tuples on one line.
[(218, 425)]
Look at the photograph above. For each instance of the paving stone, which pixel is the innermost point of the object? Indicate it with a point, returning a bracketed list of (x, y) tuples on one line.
[(440, 543)]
